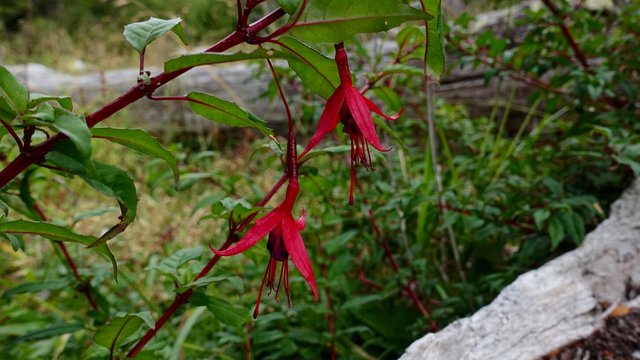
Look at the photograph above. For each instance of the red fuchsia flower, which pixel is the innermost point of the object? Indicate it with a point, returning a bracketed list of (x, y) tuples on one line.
[(284, 242), (353, 110)]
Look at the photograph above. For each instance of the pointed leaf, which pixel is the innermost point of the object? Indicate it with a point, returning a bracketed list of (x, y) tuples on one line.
[(225, 112), (289, 6), (556, 231), (188, 61), (141, 34), (139, 141), (317, 72), (332, 21), (435, 50), (234, 281), (169, 266), (75, 127), (6, 113), (16, 242), (37, 99), (58, 233), (36, 287), (119, 329), (49, 332), (116, 183), (106, 179), (226, 312), (13, 92)]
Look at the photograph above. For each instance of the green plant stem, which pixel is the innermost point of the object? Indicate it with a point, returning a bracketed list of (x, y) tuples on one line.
[(431, 125)]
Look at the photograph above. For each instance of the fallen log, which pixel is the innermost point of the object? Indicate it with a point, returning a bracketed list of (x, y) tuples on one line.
[(566, 300)]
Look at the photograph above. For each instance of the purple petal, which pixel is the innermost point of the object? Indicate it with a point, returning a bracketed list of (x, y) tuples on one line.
[(298, 252), (373, 107), (362, 116), (259, 230), (328, 119)]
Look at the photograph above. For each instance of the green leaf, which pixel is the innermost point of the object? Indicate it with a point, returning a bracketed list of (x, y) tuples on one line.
[(556, 231), (169, 266), (435, 49), (75, 127), (115, 182), (37, 99), (225, 112), (317, 72), (574, 226), (92, 213), (140, 141), (36, 287), (16, 242), (188, 61), (332, 21), (55, 330), (115, 332), (4, 210), (58, 233), (43, 114), (289, 6), (234, 281), (6, 113), (539, 216), (402, 69), (141, 34), (411, 36), (227, 312), (106, 179), (13, 91)]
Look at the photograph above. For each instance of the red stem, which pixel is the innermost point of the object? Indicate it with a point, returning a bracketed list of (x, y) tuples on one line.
[(37, 153), (292, 158), (567, 34), (83, 287), (389, 255), (181, 299), (13, 134), (332, 328)]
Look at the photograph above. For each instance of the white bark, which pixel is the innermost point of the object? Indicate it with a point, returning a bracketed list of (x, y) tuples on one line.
[(554, 305)]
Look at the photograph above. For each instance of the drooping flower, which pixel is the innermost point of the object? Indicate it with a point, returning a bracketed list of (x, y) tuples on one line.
[(284, 241), (353, 110)]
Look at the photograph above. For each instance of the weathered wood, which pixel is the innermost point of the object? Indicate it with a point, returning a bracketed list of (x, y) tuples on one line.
[(234, 82), (564, 300)]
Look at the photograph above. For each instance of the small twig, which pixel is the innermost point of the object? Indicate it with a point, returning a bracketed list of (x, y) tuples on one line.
[(13, 135), (285, 27), (567, 34), (83, 287), (183, 298), (247, 342), (327, 292), (433, 142), (142, 62)]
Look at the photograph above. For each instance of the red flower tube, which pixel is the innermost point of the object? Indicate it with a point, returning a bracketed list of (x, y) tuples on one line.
[(353, 110)]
